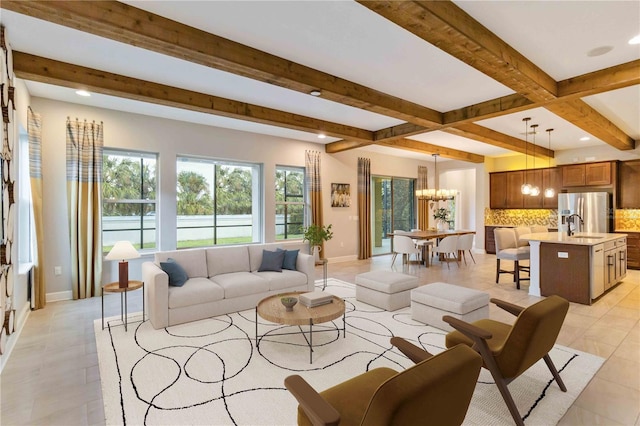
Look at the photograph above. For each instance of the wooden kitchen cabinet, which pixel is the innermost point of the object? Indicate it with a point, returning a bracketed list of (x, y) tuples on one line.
[(633, 250), (515, 199), (589, 174), (489, 239), (498, 190), (551, 178), (564, 271), (628, 179), (534, 178)]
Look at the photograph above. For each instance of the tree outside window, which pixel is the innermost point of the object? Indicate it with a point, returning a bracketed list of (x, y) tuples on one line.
[(129, 199), (217, 202), (290, 202)]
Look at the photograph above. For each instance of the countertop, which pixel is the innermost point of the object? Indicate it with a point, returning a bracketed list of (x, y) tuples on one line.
[(580, 238)]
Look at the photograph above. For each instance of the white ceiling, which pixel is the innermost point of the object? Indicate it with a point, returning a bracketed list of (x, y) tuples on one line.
[(346, 39)]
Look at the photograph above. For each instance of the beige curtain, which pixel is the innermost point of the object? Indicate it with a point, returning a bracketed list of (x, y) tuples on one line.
[(314, 188), (364, 208), (34, 129), (84, 196), (423, 205)]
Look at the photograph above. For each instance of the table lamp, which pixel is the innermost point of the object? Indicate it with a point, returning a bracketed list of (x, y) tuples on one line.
[(123, 250)]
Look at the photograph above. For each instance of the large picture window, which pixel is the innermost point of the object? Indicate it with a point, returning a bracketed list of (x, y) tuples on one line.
[(218, 202), (290, 202), (129, 199)]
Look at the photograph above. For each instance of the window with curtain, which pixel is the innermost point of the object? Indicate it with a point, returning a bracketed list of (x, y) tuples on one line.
[(218, 202), (26, 232), (129, 199), (290, 202)]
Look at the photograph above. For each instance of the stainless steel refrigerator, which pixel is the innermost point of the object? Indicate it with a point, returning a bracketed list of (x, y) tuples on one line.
[(593, 207)]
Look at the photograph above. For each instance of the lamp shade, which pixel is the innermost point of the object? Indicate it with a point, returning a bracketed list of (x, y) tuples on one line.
[(122, 250)]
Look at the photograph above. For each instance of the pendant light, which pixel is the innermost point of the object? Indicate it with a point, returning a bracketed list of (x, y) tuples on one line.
[(535, 190), (435, 194), (549, 192), (525, 188)]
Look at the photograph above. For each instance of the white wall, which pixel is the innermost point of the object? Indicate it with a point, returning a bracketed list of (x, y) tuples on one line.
[(170, 138)]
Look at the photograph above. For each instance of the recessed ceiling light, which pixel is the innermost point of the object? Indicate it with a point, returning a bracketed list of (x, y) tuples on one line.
[(315, 93), (82, 93), (635, 40), (322, 136), (585, 138), (599, 51)]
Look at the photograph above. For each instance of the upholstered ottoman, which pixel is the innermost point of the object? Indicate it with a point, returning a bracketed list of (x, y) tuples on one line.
[(429, 303), (385, 289)]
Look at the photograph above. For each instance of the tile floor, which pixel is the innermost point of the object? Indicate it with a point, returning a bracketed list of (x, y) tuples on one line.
[(52, 376)]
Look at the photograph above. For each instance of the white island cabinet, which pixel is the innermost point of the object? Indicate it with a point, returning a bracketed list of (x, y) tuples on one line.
[(579, 268)]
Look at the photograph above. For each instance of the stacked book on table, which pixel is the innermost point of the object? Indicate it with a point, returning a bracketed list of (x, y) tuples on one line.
[(315, 298)]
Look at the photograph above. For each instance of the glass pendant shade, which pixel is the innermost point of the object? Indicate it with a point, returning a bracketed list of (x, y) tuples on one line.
[(525, 189), (549, 193), (535, 191)]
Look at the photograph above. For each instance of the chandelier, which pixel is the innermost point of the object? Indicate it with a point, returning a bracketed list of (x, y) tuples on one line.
[(435, 194)]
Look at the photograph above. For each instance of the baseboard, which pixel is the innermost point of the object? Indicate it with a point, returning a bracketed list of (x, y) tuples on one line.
[(60, 295)]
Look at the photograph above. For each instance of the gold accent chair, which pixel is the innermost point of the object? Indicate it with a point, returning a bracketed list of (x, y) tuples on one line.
[(509, 350), (437, 390)]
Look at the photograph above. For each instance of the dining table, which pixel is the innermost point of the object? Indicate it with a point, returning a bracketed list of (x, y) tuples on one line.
[(429, 234)]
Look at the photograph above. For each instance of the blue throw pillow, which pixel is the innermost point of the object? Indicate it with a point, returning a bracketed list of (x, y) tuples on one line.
[(177, 274), (271, 261), (290, 259)]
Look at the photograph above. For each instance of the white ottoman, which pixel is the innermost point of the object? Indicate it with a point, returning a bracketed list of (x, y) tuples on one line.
[(385, 289), (429, 303)]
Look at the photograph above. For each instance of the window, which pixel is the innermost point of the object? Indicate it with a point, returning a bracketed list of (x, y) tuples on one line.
[(218, 202), (129, 199), (290, 202), (26, 231)]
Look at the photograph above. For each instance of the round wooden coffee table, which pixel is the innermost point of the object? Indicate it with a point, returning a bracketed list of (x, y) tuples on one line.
[(271, 309)]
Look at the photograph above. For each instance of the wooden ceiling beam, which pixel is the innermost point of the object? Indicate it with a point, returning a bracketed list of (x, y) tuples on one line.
[(126, 24), (446, 26), (427, 148), (612, 78), (488, 136), (49, 71)]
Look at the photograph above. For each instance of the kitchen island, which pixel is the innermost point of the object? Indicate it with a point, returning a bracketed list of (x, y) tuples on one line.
[(580, 267)]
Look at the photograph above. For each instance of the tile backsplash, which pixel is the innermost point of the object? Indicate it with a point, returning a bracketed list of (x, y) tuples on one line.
[(626, 220), (521, 217)]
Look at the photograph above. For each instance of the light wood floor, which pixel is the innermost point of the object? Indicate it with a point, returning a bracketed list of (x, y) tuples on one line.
[(52, 376)]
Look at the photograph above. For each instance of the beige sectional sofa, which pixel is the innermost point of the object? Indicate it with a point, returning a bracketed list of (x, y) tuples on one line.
[(221, 280)]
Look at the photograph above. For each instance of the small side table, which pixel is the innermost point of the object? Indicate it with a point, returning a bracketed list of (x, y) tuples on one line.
[(324, 263), (115, 288)]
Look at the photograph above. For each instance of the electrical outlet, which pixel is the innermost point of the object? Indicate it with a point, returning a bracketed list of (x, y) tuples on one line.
[(57, 270)]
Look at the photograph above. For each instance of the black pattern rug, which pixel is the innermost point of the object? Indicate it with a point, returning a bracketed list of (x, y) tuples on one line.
[(210, 372)]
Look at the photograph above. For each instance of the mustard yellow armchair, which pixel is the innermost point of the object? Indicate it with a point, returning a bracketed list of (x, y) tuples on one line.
[(509, 350), (435, 391)]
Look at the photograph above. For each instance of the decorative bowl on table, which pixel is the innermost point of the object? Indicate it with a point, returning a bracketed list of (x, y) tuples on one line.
[(289, 302)]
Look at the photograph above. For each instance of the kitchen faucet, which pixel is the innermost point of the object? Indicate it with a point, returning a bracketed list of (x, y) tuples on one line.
[(569, 221)]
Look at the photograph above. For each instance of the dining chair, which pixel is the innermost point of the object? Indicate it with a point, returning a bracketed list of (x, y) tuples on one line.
[(465, 243), (447, 247), (404, 245), (423, 245)]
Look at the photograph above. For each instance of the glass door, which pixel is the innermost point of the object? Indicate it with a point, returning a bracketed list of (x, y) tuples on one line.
[(393, 208)]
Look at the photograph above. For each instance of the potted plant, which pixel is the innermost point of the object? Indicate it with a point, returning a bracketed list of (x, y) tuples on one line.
[(441, 216), (316, 235)]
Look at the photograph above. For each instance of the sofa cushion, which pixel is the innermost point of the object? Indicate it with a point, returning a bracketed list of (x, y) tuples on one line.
[(177, 274), (255, 254), (193, 292), (290, 259), (222, 260), (236, 284), (272, 261), (283, 280), (193, 261)]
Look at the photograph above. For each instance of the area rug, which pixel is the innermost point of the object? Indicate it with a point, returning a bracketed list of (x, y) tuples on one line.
[(209, 372)]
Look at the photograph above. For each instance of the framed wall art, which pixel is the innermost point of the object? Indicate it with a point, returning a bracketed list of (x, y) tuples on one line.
[(340, 195)]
